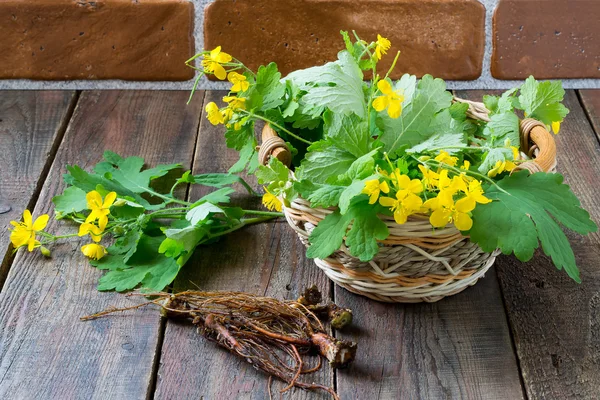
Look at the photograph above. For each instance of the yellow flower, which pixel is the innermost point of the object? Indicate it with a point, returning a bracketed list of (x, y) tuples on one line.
[(446, 211), (500, 167), (94, 251), (373, 188), (391, 100), (271, 201), (556, 127), (405, 204), (212, 62), (430, 178), (94, 231), (100, 209), (446, 158), (24, 232), (466, 165), (383, 45), (451, 185), (240, 84), (235, 103), (214, 115), (405, 184), (474, 194)]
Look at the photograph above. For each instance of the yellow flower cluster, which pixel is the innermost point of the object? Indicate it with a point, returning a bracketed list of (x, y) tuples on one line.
[(456, 196), (212, 62), (218, 115), (96, 222)]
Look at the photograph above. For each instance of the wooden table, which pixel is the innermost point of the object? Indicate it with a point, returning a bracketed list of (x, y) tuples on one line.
[(525, 331)]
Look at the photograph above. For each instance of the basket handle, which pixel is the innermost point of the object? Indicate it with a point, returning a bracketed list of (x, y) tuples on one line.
[(536, 140), (273, 146)]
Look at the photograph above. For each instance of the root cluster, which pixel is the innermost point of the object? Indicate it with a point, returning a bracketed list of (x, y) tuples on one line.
[(274, 336)]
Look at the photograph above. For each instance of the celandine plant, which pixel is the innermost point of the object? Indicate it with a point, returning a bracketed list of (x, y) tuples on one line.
[(153, 234), (398, 149)]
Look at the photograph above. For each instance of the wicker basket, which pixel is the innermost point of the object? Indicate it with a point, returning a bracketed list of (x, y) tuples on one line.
[(415, 263)]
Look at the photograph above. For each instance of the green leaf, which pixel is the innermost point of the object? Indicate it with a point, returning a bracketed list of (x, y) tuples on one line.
[(319, 195), (349, 193), (90, 181), (324, 160), (201, 212), (407, 84), (367, 229), (446, 141), (218, 196), (416, 122), (246, 154), (348, 132), (147, 267), (493, 156), (504, 126), (541, 100), (268, 92), (527, 208), (128, 171), (72, 200), (362, 238), (336, 85), (276, 171), (361, 168)]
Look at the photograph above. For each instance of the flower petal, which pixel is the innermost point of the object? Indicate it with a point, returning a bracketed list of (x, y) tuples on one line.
[(219, 71), (27, 218), (381, 103), (387, 201), (94, 200), (384, 86), (395, 109), (41, 222), (439, 218), (109, 200), (462, 221)]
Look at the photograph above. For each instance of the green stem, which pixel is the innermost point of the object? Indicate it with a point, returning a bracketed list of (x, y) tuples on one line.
[(265, 213), (276, 125), (244, 222), (393, 65), (458, 172), (53, 237), (168, 198)]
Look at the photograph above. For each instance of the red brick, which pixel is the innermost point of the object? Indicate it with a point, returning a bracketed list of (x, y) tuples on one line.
[(547, 39), (104, 39), (441, 37)]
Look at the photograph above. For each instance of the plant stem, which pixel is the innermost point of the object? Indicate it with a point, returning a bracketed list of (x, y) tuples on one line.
[(244, 222), (276, 125), (265, 213), (393, 65)]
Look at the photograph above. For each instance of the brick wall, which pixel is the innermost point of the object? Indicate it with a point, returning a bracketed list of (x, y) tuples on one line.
[(473, 43)]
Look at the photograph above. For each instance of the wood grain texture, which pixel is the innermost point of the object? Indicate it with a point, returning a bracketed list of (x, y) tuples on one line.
[(266, 259), (590, 99), (46, 352), (556, 322), (459, 347), (31, 124)]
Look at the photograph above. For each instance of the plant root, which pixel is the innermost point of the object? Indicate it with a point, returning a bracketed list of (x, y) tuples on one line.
[(272, 335)]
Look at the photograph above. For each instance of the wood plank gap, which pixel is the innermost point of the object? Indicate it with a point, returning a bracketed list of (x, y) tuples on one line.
[(588, 110), (9, 256), (163, 321)]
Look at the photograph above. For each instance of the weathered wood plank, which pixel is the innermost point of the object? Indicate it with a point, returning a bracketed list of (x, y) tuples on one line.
[(555, 321), (265, 259), (42, 340), (459, 347), (590, 99), (31, 125)]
